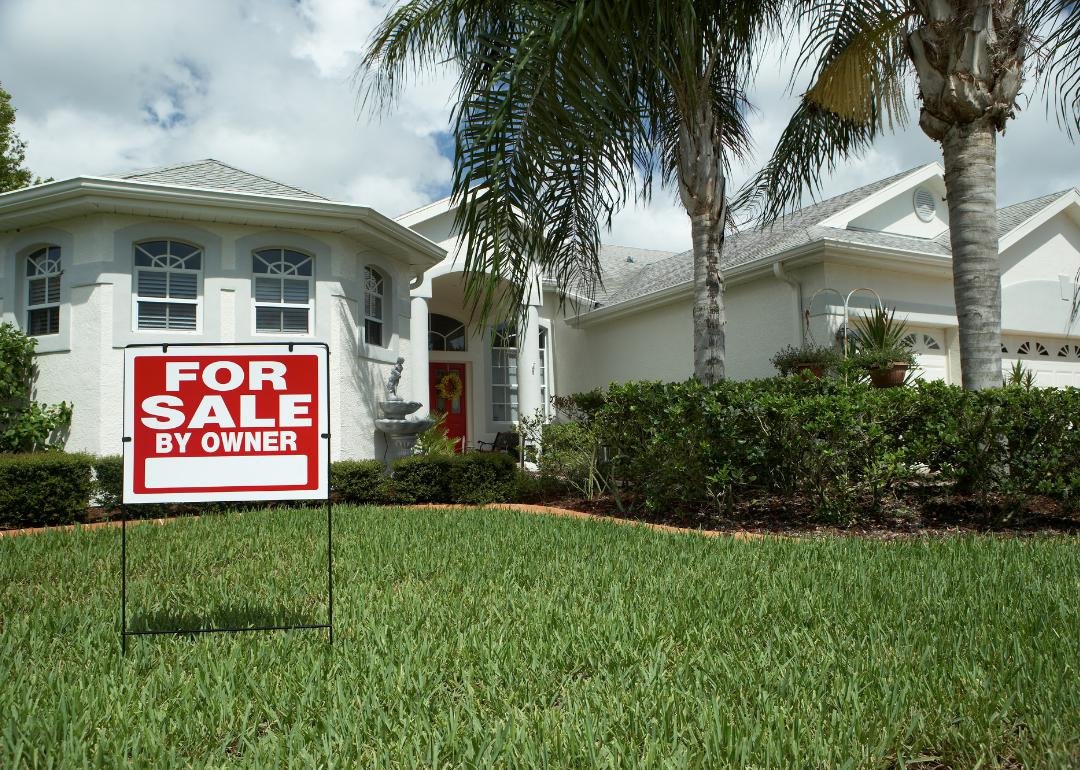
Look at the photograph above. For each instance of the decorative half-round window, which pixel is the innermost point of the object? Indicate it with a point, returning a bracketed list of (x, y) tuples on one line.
[(925, 204), (445, 333)]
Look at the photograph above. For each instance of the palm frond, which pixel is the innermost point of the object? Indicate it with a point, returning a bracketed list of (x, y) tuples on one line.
[(1054, 28), (815, 139)]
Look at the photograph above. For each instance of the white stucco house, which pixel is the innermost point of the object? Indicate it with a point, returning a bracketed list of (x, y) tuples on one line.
[(205, 252)]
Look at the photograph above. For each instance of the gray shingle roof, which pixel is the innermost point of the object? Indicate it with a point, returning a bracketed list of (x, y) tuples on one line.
[(800, 228), (212, 174), (751, 245), (1009, 217)]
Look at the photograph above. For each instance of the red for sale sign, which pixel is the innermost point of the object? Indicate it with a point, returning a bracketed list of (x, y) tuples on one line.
[(225, 422)]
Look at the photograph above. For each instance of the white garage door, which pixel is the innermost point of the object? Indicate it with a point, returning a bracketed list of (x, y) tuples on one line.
[(1055, 362), (929, 347)]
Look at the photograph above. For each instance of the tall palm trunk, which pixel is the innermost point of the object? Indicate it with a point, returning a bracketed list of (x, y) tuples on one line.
[(969, 58), (701, 188), (970, 153)]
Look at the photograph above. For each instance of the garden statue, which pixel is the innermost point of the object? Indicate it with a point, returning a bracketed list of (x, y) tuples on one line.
[(393, 380), (394, 418)]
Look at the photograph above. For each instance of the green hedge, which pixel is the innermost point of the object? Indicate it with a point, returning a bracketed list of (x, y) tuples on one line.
[(844, 446), (44, 488), (474, 478), (359, 482)]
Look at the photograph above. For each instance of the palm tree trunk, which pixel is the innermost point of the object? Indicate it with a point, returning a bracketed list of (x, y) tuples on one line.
[(709, 315), (701, 188), (970, 154)]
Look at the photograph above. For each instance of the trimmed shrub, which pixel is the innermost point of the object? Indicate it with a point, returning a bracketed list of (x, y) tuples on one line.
[(844, 447), (483, 477), (359, 481), (423, 478), (109, 481), (474, 478), (44, 488)]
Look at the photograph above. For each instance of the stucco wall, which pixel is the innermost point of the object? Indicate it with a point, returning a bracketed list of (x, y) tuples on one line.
[(84, 363), (1039, 279), (897, 215)]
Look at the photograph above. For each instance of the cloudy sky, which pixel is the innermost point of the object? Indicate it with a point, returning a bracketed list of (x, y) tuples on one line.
[(106, 86)]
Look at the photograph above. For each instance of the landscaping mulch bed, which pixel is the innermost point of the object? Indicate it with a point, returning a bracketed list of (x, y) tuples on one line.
[(935, 515)]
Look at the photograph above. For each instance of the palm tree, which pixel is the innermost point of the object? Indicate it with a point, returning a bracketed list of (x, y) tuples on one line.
[(567, 110), (968, 59)]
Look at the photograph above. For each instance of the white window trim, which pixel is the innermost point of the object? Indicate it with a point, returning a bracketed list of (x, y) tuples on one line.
[(491, 348), (385, 344), (255, 304), (197, 302), (59, 273), (548, 390)]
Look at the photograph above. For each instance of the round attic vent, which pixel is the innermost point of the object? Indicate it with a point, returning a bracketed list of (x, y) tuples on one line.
[(925, 204)]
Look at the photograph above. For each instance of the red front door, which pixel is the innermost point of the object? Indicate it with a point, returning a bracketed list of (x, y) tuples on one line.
[(448, 396)]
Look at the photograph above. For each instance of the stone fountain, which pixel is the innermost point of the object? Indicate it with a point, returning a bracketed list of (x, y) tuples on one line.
[(394, 420)]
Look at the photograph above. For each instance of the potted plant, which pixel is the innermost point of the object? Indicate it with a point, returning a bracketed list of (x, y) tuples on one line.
[(882, 346), (808, 358)]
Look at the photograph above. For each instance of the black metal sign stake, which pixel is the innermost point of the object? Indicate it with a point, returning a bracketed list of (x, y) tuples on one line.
[(328, 625)]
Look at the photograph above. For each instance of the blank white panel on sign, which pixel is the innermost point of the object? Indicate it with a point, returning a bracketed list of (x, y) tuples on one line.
[(211, 472)]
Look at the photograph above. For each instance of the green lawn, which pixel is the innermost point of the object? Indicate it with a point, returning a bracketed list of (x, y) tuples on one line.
[(483, 638)]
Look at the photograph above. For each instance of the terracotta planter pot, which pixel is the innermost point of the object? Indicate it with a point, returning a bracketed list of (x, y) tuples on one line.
[(818, 370), (889, 378)]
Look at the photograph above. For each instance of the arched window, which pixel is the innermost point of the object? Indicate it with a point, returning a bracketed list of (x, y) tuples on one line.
[(282, 291), (445, 333), (167, 285), (374, 308), (43, 292)]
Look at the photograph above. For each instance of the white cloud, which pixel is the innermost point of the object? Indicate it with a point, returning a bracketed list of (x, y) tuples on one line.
[(261, 85), (110, 85)]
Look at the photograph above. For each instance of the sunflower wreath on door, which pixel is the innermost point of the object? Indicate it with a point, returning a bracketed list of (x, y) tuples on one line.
[(449, 386)]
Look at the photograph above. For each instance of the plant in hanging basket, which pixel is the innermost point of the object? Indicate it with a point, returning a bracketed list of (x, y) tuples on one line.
[(881, 344), (887, 368), (808, 358)]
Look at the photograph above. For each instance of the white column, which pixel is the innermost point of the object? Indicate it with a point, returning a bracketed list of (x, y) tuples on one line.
[(418, 358), (528, 375)]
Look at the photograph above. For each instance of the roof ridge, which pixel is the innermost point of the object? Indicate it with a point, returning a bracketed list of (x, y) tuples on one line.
[(1048, 197), (195, 173), (260, 176)]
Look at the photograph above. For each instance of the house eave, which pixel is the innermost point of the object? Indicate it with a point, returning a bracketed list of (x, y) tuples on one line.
[(83, 196), (841, 252)]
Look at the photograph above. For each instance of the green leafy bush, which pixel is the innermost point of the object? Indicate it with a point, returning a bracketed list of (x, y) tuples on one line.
[(842, 446), (570, 455), (25, 425), (787, 360), (44, 488), (360, 482), (477, 477), (109, 481), (436, 439), (423, 478), (483, 477)]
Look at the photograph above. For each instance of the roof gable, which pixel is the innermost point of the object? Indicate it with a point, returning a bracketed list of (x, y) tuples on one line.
[(1021, 219), (212, 174)]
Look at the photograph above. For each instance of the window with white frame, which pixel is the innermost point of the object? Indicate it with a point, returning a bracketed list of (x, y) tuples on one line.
[(545, 405), (167, 276), (43, 292), (282, 291), (504, 375), (374, 307)]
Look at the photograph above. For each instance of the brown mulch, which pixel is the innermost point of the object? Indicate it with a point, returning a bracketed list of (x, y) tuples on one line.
[(928, 515), (931, 515)]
